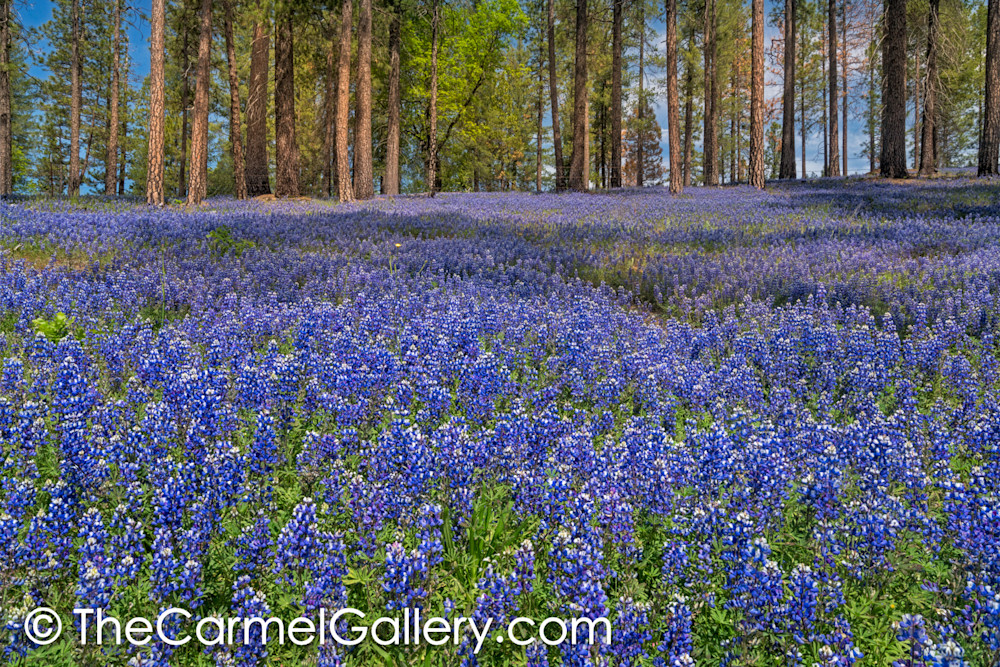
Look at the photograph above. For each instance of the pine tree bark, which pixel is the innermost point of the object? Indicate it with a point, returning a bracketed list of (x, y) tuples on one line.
[(182, 177), (154, 154), (286, 153), (843, 81), (235, 115), (111, 159), (541, 118), (640, 115), (391, 182), (928, 160), (989, 143), (345, 189), (892, 163), (257, 171), (6, 138), (673, 103), (579, 166), (688, 124), (432, 105), (787, 167), (330, 110), (711, 148), (834, 99), (757, 95), (364, 187), (616, 94), (554, 99), (75, 101), (198, 185)]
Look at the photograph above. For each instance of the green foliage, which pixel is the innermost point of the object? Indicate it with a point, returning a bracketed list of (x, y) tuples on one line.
[(55, 328), (222, 242)]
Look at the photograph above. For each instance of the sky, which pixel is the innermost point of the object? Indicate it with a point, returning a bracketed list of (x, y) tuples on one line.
[(33, 13)]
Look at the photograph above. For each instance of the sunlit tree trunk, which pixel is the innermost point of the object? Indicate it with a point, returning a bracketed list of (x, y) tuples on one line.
[(989, 143), (154, 154), (75, 100), (364, 186), (711, 148), (346, 190), (198, 185), (111, 159), (235, 129), (286, 153), (390, 185), (432, 104), (616, 94), (6, 138), (673, 104), (834, 99), (257, 171), (757, 95)]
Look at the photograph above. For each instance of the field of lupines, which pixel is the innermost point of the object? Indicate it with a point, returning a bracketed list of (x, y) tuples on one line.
[(749, 429)]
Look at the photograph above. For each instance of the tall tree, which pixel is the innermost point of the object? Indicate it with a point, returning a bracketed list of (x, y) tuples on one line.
[(578, 176), (235, 129), (688, 122), (257, 171), (757, 95), (843, 73), (6, 138), (554, 98), (641, 107), (154, 170), (390, 184), (286, 152), (928, 158), (541, 117), (198, 185), (787, 168), (989, 142), (76, 101), (330, 110), (673, 103), (892, 163), (111, 162), (432, 114), (616, 94), (182, 179), (364, 187), (834, 161), (346, 191), (711, 148)]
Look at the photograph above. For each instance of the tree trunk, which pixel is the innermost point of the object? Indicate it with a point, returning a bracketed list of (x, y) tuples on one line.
[(989, 144), (577, 171), (122, 162), (673, 103), (391, 186), (154, 169), (640, 157), (834, 99), (688, 124), (916, 112), (616, 94), (757, 95), (185, 102), (554, 99), (75, 101), (802, 126), (432, 116), (787, 169), (928, 162), (364, 187), (235, 129), (286, 153), (541, 118), (823, 82), (257, 172), (198, 185), (892, 163), (843, 73), (330, 110), (346, 191), (111, 160), (711, 139), (6, 140)]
